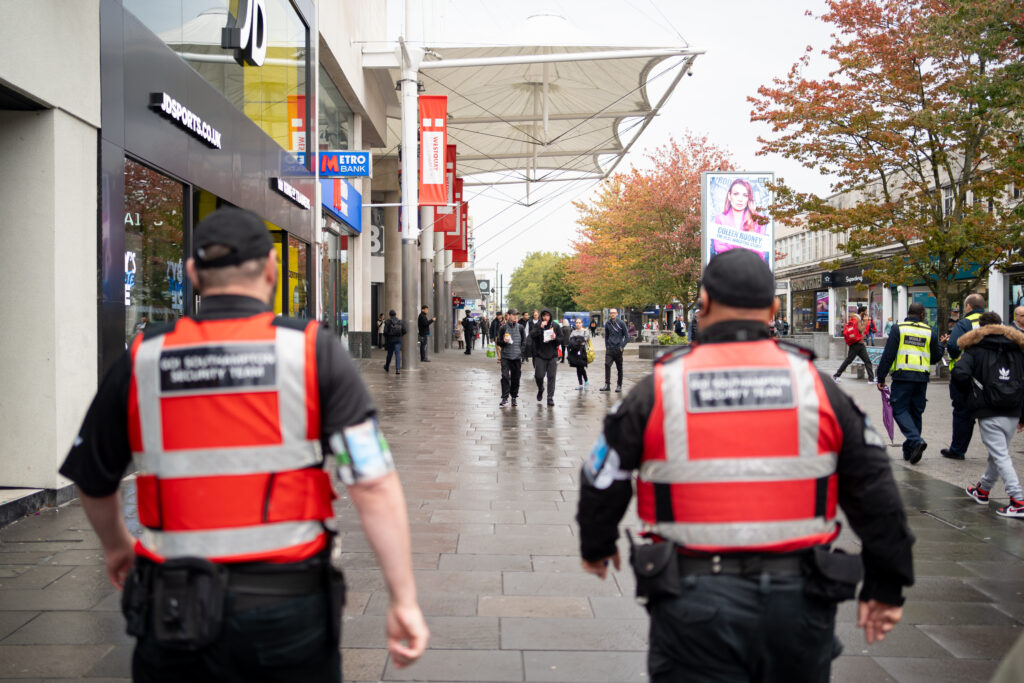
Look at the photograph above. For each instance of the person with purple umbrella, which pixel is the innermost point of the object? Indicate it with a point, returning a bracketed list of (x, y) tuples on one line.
[(909, 352)]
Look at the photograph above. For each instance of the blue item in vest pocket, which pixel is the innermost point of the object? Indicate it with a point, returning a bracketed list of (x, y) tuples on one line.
[(362, 452)]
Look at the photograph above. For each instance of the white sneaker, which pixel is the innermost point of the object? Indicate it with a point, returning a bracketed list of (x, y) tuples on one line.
[(836, 379)]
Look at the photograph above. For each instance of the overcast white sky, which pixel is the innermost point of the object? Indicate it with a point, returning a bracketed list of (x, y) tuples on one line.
[(748, 43)]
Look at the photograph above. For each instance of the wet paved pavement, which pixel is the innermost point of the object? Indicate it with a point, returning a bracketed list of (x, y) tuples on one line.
[(491, 495)]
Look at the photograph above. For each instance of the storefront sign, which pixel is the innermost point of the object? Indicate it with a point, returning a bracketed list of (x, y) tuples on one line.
[(246, 33), (808, 282), (433, 143), (346, 163), (185, 118), (342, 201), (457, 302), (285, 188), (848, 277)]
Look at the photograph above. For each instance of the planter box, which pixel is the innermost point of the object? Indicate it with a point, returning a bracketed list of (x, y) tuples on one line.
[(652, 352)]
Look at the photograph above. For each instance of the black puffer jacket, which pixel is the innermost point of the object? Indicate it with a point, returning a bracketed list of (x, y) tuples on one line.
[(981, 350)]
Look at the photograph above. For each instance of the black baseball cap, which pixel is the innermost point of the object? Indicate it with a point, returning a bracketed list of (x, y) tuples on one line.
[(739, 278), (241, 231)]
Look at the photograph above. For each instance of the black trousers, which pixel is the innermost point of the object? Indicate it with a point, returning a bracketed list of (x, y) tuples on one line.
[(735, 629), (286, 640), (423, 346), (581, 374), (545, 367), (852, 352), (511, 371), (613, 356)]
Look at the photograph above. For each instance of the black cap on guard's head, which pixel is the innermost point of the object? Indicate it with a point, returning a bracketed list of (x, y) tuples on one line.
[(242, 232), (739, 278)]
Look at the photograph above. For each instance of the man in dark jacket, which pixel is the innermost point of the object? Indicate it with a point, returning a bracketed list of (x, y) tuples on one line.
[(546, 335), (990, 376), (509, 338), (911, 348), (469, 330), (963, 423), (394, 330), (616, 336), (423, 324), (495, 324)]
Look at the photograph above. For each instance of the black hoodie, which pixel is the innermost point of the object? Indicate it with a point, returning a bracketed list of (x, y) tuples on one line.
[(545, 349)]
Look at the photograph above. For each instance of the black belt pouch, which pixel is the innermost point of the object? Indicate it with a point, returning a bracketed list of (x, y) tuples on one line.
[(188, 602), (135, 600), (336, 589), (656, 566), (832, 575)]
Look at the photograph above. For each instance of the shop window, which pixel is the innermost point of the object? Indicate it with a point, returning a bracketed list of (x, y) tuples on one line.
[(273, 95), (335, 116), (298, 278), (154, 285)]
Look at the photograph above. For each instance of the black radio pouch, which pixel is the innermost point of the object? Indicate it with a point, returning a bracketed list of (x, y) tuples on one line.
[(656, 566), (831, 575), (336, 591), (188, 602), (135, 599)]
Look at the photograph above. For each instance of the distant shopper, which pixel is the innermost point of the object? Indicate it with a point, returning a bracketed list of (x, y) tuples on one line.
[(546, 337), (469, 331), (616, 336), (963, 422), (509, 339), (579, 339), (990, 375), (423, 324), (459, 335), (1018, 318), (909, 353), (394, 330), (567, 327), (593, 328), (888, 326), (677, 327), (529, 348), (853, 334), (380, 331), (497, 322)]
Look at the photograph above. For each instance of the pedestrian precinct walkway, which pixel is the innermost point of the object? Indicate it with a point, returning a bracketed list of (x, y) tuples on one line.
[(492, 494)]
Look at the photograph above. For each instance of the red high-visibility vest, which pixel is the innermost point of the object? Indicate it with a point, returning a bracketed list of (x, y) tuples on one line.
[(740, 451), (224, 426)]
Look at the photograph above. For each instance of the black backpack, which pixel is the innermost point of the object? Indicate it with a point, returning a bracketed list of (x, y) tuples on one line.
[(392, 328), (1002, 377)]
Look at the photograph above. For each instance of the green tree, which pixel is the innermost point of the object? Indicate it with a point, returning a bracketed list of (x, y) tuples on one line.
[(919, 122), (558, 288), (526, 290)]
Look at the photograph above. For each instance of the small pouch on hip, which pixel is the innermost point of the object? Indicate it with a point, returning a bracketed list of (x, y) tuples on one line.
[(135, 600), (188, 602), (656, 566), (832, 575)]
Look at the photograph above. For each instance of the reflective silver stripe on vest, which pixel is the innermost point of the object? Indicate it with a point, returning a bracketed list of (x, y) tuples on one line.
[(227, 461), (147, 387), (673, 404), (230, 542), (738, 469), (741, 534), (291, 385), (805, 389)]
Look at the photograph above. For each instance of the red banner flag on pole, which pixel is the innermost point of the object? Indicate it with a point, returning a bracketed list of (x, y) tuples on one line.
[(433, 149), (447, 216)]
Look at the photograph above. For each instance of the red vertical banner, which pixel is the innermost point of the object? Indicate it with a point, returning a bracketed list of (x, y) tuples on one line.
[(433, 150), (446, 215), (297, 123)]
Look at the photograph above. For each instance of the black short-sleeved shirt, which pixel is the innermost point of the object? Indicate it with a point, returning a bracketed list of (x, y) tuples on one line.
[(101, 453)]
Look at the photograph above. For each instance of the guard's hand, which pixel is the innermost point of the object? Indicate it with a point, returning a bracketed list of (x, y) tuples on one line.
[(599, 568), (877, 619), (119, 561), (407, 634)]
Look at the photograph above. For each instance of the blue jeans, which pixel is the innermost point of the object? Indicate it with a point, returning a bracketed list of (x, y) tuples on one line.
[(963, 423), (735, 629), (394, 347), (907, 400)]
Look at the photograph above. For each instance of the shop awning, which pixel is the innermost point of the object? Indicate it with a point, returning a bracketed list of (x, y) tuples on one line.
[(573, 115), (464, 284)]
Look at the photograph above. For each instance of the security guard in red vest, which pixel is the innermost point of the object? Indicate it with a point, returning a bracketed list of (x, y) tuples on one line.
[(742, 451), (228, 416)]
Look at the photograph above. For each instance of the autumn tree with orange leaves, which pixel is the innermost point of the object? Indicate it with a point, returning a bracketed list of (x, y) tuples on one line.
[(919, 121), (639, 239)]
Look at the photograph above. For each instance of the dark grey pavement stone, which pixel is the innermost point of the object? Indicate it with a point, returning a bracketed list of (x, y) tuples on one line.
[(11, 621), (604, 635), (974, 642), (997, 570), (585, 667), (466, 583), (485, 563), (943, 588), (116, 663), (859, 670), (72, 628), (362, 665), (432, 604), (903, 641), (569, 564), (473, 666), (917, 670), (49, 600), (533, 606), (952, 613), (446, 633), (34, 577), (625, 607), (997, 590), (533, 530), (541, 583), (492, 545), (49, 661)]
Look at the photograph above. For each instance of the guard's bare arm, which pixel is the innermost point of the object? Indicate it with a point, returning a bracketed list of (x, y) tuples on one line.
[(118, 545)]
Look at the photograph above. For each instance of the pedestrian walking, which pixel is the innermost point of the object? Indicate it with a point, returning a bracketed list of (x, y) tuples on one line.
[(909, 353), (567, 327), (423, 323), (459, 335), (510, 339), (616, 336), (678, 327), (888, 325), (963, 423), (870, 330), (469, 332), (546, 337), (738, 485), (229, 415), (990, 374), (579, 339), (496, 322), (394, 330), (529, 350), (593, 328), (853, 335)]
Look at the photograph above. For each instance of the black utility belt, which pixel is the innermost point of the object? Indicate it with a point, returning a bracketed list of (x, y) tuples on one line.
[(742, 565)]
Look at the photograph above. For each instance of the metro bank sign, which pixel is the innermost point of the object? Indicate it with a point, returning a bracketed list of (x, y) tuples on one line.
[(346, 164)]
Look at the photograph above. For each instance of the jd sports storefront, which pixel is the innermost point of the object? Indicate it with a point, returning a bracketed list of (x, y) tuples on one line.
[(187, 128)]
